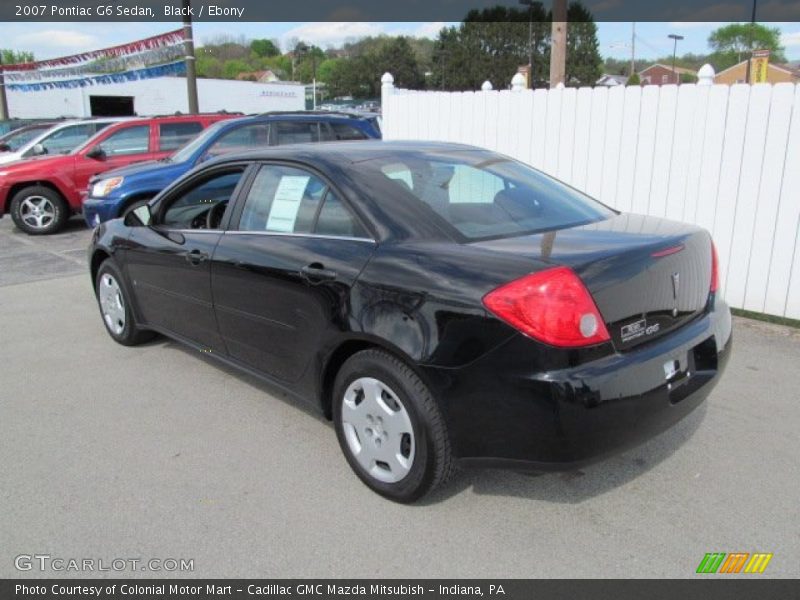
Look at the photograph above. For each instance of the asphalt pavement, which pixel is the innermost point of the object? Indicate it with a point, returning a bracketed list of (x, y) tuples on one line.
[(156, 452)]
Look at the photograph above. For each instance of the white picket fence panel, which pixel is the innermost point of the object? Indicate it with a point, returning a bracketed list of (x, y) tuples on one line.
[(726, 158)]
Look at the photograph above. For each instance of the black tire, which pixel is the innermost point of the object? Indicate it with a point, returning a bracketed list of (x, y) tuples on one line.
[(432, 463), (54, 210), (129, 334)]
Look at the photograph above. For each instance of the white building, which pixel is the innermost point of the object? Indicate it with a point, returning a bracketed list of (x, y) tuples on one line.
[(162, 95)]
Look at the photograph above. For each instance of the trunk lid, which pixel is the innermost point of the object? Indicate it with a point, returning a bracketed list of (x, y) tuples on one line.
[(648, 276)]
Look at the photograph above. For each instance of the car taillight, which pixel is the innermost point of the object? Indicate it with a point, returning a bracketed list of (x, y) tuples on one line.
[(552, 306), (714, 268)]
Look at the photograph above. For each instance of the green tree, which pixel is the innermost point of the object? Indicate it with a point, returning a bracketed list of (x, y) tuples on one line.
[(634, 80), (13, 57), (733, 43), (232, 68), (492, 43), (584, 64), (262, 48), (208, 66)]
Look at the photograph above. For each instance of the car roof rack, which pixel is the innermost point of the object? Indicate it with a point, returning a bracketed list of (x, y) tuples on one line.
[(179, 113), (322, 113)]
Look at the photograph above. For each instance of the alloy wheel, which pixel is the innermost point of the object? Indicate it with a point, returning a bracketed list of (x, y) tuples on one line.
[(37, 211)]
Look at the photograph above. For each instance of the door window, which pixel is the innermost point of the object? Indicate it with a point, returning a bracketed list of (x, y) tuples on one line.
[(130, 140), (290, 200), (240, 139), (63, 141), (203, 204), (342, 131), (296, 132), (174, 135)]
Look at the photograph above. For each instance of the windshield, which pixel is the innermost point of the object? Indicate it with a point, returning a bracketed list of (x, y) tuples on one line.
[(483, 195), (19, 137), (185, 152)]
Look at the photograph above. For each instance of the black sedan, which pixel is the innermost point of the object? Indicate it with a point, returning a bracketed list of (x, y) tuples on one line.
[(440, 303)]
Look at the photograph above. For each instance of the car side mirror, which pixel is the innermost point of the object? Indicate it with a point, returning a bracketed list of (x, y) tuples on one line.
[(96, 152), (5, 148), (38, 150), (139, 216)]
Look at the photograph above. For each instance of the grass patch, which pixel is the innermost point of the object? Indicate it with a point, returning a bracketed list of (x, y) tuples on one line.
[(757, 316)]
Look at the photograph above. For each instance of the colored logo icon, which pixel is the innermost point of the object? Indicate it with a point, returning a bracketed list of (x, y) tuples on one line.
[(735, 562)]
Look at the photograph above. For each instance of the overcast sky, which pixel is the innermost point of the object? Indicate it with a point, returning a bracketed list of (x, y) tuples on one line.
[(48, 40)]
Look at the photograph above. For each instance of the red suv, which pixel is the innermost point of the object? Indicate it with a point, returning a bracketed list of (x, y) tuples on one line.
[(41, 193)]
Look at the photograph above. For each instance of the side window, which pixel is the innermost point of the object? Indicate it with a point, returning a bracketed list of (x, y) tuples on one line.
[(282, 200), (335, 219), (66, 139), (202, 205), (240, 139), (131, 140), (174, 135), (342, 131), (290, 200), (296, 132)]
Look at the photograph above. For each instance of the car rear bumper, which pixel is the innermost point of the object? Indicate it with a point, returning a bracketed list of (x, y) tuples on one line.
[(503, 412), (98, 210)]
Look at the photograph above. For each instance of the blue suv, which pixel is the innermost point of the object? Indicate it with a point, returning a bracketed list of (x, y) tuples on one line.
[(116, 192)]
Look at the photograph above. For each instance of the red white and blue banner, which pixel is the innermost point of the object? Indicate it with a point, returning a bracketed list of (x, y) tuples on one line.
[(170, 69), (169, 38)]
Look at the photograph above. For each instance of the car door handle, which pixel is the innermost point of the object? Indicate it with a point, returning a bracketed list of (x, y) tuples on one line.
[(317, 273), (196, 257)]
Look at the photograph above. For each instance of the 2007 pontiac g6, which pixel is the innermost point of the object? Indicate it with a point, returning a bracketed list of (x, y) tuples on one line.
[(440, 303)]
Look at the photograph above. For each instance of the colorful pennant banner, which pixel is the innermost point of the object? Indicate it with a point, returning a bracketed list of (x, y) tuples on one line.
[(174, 68), (157, 41), (123, 63)]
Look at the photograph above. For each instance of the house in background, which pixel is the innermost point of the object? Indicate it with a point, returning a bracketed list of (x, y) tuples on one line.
[(659, 74), (258, 76), (611, 80), (775, 74)]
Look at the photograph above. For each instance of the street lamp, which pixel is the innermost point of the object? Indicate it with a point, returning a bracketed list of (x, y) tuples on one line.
[(529, 4), (675, 37)]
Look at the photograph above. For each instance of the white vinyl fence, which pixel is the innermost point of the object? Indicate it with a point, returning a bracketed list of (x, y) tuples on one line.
[(726, 158)]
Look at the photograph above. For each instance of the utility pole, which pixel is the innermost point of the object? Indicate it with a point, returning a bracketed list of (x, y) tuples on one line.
[(191, 71), (750, 57), (558, 51), (633, 49), (3, 100), (675, 37)]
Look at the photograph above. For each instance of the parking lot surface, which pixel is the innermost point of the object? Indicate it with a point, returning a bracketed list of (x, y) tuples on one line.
[(157, 452)]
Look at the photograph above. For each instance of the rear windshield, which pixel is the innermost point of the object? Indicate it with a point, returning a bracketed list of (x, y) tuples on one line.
[(486, 196)]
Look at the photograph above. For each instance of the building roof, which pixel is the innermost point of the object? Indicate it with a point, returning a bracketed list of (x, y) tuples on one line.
[(788, 68), (679, 70), (607, 78)]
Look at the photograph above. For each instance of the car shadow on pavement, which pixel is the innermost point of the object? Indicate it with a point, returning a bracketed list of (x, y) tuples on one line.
[(573, 487), (568, 487)]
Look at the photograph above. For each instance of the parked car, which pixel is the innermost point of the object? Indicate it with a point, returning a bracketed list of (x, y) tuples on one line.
[(438, 302), (115, 192), (16, 138), (58, 139), (41, 193)]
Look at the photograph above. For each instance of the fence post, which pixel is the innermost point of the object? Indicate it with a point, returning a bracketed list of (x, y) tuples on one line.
[(487, 86), (518, 82), (387, 86), (387, 89), (705, 76)]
